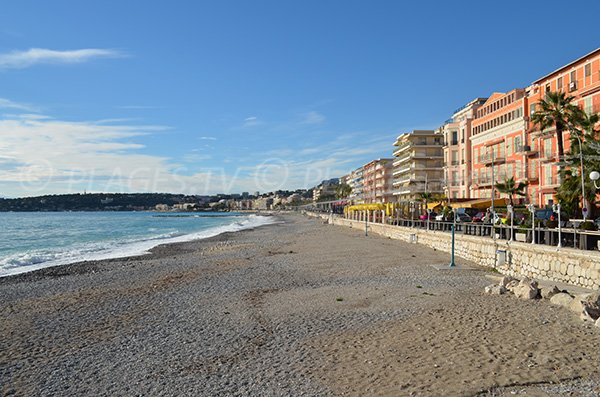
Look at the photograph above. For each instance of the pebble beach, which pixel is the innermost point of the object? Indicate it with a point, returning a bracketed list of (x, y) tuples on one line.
[(297, 308)]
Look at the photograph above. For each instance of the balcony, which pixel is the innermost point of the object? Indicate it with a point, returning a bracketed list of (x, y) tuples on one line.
[(451, 142), (489, 159), (528, 151), (401, 148)]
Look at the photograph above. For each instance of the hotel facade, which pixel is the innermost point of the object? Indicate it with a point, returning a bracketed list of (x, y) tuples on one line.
[(418, 165)]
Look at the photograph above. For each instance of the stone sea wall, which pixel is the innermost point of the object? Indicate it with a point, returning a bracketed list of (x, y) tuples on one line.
[(566, 265)]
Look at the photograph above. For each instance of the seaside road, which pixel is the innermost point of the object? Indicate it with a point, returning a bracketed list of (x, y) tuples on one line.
[(294, 309)]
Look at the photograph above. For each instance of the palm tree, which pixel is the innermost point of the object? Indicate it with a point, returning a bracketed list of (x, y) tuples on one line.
[(584, 138), (426, 196), (556, 110), (512, 188), (343, 190)]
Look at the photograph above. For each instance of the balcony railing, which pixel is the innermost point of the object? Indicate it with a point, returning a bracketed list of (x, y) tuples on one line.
[(489, 159)]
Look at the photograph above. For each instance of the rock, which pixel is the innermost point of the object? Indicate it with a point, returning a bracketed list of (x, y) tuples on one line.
[(587, 305), (506, 280), (598, 323), (549, 292), (495, 289), (588, 314), (562, 299), (527, 289), (512, 284), (525, 292)]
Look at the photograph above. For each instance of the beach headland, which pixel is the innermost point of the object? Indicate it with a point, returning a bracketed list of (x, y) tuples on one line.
[(296, 308)]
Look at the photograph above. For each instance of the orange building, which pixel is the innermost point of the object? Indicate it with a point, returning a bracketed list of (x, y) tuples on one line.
[(498, 149), (580, 79), (377, 181), (457, 133)]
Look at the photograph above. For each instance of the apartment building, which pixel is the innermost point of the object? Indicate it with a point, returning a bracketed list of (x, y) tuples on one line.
[(326, 189), (457, 133), (377, 181), (355, 181), (418, 165), (498, 151), (579, 79)]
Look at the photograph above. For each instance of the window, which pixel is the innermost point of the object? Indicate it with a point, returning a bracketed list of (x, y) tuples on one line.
[(547, 88), (518, 145), (588, 70), (548, 174), (533, 169), (532, 109), (559, 84), (509, 147), (588, 105), (573, 76), (548, 147)]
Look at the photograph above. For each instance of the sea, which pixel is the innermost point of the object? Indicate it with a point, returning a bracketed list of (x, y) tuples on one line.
[(34, 240)]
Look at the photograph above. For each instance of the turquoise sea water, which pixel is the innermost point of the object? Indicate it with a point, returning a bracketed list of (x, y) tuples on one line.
[(32, 240)]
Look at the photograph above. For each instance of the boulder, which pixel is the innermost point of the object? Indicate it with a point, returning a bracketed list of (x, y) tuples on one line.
[(512, 284), (598, 323), (495, 289), (506, 280), (527, 289), (549, 292), (525, 292), (588, 314), (562, 299), (587, 305)]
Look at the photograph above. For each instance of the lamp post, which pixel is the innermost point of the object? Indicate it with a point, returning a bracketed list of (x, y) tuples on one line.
[(594, 176), (584, 209), (510, 210), (556, 208), (429, 211), (531, 209)]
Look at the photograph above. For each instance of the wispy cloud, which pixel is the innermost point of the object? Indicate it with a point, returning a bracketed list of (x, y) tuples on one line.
[(34, 56), (313, 118), (207, 138), (251, 121), (7, 104)]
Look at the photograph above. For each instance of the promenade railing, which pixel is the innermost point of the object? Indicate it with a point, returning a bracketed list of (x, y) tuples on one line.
[(570, 237)]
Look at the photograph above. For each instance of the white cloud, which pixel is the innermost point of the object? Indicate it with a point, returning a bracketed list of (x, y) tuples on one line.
[(207, 138), (7, 104), (313, 118), (33, 56), (251, 121)]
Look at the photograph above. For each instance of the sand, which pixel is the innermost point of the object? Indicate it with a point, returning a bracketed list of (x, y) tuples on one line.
[(298, 308)]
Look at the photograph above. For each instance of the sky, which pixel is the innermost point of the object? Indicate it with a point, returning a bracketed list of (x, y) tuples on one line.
[(205, 97)]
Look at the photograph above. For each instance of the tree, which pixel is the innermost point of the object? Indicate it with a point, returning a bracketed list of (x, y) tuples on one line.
[(512, 188), (426, 196), (556, 110), (343, 190), (583, 129)]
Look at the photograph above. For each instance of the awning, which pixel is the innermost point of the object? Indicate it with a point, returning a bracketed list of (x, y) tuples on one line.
[(480, 203)]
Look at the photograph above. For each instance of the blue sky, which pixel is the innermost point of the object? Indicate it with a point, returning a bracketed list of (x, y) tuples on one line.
[(205, 97)]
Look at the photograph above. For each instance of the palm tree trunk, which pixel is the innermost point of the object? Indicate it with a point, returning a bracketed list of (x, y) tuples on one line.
[(559, 142)]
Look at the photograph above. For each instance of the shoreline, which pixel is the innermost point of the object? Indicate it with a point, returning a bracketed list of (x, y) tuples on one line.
[(93, 264), (300, 307)]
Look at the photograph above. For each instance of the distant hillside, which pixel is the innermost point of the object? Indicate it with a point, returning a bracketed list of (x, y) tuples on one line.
[(98, 202)]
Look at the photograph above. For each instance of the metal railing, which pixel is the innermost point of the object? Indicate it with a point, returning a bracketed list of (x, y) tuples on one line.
[(567, 235)]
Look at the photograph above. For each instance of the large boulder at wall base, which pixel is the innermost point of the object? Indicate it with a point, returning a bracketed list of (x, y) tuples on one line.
[(562, 299)]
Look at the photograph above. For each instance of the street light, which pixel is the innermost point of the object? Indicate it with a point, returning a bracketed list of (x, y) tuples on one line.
[(594, 176), (556, 208), (511, 210), (531, 209), (584, 209)]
